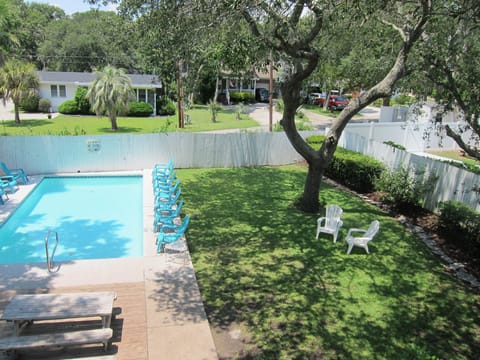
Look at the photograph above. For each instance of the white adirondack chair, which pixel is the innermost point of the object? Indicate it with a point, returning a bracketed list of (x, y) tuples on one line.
[(363, 240), (330, 223)]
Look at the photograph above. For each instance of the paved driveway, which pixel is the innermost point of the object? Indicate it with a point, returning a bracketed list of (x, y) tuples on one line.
[(6, 113)]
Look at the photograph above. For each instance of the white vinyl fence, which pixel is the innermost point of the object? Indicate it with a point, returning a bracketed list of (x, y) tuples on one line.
[(67, 154), (453, 183)]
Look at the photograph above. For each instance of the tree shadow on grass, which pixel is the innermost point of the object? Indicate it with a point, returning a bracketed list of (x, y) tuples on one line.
[(27, 123), (121, 130), (257, 262)]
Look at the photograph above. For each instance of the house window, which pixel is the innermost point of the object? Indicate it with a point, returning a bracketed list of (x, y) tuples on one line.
[(141, 95), (58, 90), (53, 91)]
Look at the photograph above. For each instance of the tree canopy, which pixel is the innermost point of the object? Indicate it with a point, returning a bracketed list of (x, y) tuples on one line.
[(449, 70), (87, 41)]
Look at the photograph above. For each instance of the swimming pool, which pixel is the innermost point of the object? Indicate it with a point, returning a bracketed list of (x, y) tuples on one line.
[(96, 217)]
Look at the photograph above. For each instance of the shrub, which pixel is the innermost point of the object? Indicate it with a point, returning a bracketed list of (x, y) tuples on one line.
[(461, 223), (214, 107), (140, 108), (68, 107), (83, 104), (240, 109), (315, 140), (30, 103), (395, 145), (350, 168), (354, 170), (402, 99), (242, 96), (405, 188), (44, 105), (166, 106)]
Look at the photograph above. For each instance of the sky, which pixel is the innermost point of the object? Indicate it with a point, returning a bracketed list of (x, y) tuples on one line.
[(72, 6)]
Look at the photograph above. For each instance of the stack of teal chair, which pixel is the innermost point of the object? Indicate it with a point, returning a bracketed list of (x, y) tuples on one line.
[(167, 205)]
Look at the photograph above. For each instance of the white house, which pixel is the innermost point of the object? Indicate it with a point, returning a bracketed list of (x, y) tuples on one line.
[(58, 86)]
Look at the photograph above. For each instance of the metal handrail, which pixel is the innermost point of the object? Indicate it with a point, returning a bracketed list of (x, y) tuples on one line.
[(50, 258)]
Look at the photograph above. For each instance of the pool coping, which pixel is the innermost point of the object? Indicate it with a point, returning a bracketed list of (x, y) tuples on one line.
[(154, 270)]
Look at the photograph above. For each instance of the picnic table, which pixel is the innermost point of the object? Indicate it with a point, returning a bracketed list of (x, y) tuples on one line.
[(25, 309), (30, 308)]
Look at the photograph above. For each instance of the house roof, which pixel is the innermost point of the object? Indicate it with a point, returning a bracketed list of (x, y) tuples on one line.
[(84, 78)]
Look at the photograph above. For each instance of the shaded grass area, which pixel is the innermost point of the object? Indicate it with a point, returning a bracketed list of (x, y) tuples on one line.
[(92, 125), (258, 263)]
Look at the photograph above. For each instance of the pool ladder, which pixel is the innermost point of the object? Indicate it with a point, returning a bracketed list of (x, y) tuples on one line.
[(50, 257)]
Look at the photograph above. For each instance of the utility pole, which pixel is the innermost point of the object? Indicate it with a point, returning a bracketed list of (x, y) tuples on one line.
[(181, 120), (270, 96)]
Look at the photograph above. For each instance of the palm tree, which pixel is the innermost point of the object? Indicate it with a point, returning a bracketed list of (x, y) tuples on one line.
[(18, 79), (110, 93)]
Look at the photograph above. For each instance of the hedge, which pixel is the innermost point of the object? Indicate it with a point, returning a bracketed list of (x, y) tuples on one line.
[(461, 223), (68, 107), (352, 169), (166, 106), (242, 96), (140, 108)]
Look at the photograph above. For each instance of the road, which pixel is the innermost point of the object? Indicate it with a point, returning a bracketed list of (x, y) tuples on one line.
[(260, 113)]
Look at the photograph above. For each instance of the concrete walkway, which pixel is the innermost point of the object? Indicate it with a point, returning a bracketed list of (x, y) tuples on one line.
[(161, 309)]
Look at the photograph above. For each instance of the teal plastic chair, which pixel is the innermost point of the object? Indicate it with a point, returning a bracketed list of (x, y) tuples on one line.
[(15, 174), (166, 190), (162, 170), (167, 203), (9, 184), (171, 234), (168, 196), (2, 192), (166, 216)]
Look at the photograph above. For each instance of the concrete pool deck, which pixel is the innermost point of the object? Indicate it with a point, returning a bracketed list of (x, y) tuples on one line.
[(160, 312)]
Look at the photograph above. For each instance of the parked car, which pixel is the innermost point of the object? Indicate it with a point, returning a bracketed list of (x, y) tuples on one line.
[(262, 95), (317, 98), (337, 102)]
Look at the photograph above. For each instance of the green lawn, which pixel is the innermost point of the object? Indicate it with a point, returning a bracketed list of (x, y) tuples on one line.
[(260, 267), (456, 155), (90, 125)]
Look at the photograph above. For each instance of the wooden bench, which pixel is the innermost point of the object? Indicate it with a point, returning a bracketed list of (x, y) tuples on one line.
[(81, 337)]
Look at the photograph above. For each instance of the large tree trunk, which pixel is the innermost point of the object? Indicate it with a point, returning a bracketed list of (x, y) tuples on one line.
[(16, 108), (113, 120), (309, 201)]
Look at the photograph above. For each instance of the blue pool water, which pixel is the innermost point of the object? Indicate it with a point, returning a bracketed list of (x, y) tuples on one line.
[(95, 217)]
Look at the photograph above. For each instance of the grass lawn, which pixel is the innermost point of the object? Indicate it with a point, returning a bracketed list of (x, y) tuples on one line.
[(456, 155), (261, 269), (91, 125)]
